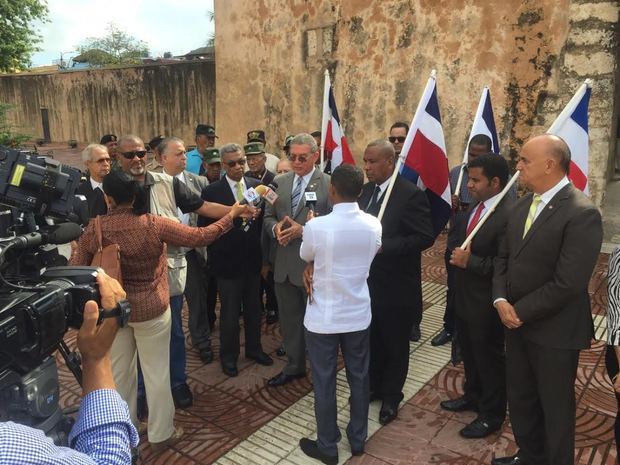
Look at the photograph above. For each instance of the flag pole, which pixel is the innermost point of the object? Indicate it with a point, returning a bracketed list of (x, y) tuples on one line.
[(569, 108), (407, 143), (488, 213), (326, 87)]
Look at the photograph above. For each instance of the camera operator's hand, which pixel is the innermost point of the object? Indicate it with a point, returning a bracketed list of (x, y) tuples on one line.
[(94, 341)]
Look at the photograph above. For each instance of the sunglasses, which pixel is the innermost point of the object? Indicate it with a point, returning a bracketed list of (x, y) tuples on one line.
[(232, 163), (400, 139), (135, 153), (299, 158)]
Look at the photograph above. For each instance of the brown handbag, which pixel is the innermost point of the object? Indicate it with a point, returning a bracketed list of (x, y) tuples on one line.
[(108, 257)]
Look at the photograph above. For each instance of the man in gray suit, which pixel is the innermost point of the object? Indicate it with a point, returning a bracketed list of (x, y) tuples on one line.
[(300, 190)]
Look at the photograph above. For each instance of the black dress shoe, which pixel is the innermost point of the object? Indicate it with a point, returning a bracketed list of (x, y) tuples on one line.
[(460, 404), (261, 358), (478, 429), (311, 449), (388, 413), (281, 352), (182, 396), (206, 355), (282, 378), (143, 408), (357, 452), (416, 334), (442, 338), (512, 460), (230, 370), (272, 317)]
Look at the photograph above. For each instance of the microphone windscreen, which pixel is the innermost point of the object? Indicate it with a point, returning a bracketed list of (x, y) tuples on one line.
[(261, 189), (64, 232)]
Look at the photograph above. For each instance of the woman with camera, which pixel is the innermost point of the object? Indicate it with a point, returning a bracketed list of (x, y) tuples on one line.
[(142, 240)]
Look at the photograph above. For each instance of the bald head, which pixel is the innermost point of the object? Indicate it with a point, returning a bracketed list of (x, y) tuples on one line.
[(384, 147), (543, 162), (379, 161)]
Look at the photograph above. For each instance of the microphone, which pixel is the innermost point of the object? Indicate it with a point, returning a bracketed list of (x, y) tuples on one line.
[(269, 192), (61, 234), (250, 196), (311, 199)]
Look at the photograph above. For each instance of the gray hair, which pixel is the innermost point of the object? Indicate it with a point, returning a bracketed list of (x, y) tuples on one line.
[(230, 148), (163, 145), (130, 138), (304, 138), (87, 153), (385, 147)]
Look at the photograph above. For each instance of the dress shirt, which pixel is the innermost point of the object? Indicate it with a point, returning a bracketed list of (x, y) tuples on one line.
[(304, 183), (382, 188), (194, 161), (102, 434), (233, 185), (488, 203), (342, 245), (94, 184), (546, 197), (613, 299)]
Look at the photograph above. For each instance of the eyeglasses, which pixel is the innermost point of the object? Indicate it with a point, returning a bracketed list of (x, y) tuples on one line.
[(400, 139), (300, 158), (232, 163), (135, 153)]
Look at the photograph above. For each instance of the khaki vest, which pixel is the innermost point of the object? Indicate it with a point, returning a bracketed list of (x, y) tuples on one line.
[(164, 204)]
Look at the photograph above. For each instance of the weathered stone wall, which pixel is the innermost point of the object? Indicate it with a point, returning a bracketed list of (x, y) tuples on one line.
[(532, 54), (83, 105)]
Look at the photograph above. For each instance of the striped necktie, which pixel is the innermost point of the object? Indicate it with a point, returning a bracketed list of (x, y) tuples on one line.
[(531, 215), (296, 195)]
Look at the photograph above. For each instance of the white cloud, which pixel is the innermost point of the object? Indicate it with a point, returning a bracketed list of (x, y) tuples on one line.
[(177, 26)]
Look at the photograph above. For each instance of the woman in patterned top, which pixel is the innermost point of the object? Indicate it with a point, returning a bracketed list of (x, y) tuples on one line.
[(142, 240), (612, 357)]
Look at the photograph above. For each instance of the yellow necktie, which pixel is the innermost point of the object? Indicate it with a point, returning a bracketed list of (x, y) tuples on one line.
[(239, 192), (532, 213)]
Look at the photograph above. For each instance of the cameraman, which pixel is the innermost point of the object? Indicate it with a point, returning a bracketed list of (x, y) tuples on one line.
[(103, 432)]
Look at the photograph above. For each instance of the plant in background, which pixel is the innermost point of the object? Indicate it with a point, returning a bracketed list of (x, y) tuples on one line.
[(8, 136), (116, 48), (18, 38)]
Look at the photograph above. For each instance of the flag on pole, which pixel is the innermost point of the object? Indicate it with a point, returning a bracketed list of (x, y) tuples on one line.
[(424, 156), (484, 123), (332, 135), (572, 126)]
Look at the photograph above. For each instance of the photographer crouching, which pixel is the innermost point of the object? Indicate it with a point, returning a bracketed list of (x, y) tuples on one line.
[(103, 432)]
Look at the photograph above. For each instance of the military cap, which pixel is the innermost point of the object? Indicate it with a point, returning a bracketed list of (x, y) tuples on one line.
[(155, 141), (108, 138), (287, 141), (256, 135), (211, 155), (205, 130), (254, 148)]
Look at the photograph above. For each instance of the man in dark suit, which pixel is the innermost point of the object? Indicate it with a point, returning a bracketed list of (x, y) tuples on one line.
[(97, 161), (540, 291), (236, 262), (303, 188), (395, 280), (481, 333)]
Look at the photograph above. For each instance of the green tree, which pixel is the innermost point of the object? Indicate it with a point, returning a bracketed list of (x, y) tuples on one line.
[(211, 37), (18, 39), (8, 136), (117, 47)]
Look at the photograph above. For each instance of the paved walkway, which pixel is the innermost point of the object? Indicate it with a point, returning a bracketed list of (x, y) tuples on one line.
[(242, 421)]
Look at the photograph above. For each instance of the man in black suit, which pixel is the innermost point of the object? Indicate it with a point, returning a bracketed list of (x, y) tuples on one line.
[(97, 161), (481, 333), (540, 291), (236, 262), (395, 281)]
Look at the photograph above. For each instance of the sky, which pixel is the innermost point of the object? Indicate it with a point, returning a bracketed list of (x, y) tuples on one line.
[(177, 26)]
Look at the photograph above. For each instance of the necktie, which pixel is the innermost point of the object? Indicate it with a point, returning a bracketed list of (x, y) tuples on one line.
[(532, 213), (239, 189), (296, 196), (372, 205), (474, 219)]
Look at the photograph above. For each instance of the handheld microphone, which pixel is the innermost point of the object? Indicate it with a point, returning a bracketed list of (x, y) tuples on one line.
[(269, 192), (250, 196), (311, 199)]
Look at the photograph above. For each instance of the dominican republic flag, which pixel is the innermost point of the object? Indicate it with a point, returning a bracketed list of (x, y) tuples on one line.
[(484, 123), (572, 126), (332, 135), (424, 159)]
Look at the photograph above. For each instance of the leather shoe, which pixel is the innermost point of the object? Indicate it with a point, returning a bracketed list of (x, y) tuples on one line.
[(261, 358), (416, 334), (460, 404), (442, 338), (357, 452), (478, 429), (282, 378), (281, 352), (272, 317), (512, 460), (182, 396), (311, 449), (230, 370), (206, 355), (387, 414)]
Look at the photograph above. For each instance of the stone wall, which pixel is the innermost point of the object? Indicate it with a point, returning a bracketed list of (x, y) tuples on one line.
[(145, 100), (533, 54)]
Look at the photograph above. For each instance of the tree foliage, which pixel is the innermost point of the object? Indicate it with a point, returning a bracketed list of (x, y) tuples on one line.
[(8, 135), (211, 37), (18, 39), (117, 47)]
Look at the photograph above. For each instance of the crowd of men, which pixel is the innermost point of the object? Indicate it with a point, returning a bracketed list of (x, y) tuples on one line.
[(517, 300)]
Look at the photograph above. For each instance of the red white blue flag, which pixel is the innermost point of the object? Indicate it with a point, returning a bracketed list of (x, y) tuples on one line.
[(332, 135), (424, 156), (572, 126), (484, 123)]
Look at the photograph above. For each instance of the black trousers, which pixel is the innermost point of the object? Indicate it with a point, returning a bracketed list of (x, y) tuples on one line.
[(233, 294), (611, 362), (267, 287), (196, 295), (211, 297), (541, 399), (482, 346), (323, 357), (389, 351), (449, 312)]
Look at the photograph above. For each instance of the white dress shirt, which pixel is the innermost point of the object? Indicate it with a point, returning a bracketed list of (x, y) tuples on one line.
[(546, 197), (342, 245), (94, 184), (382, 188), (304, 183), (233, 185), (488, 203)]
